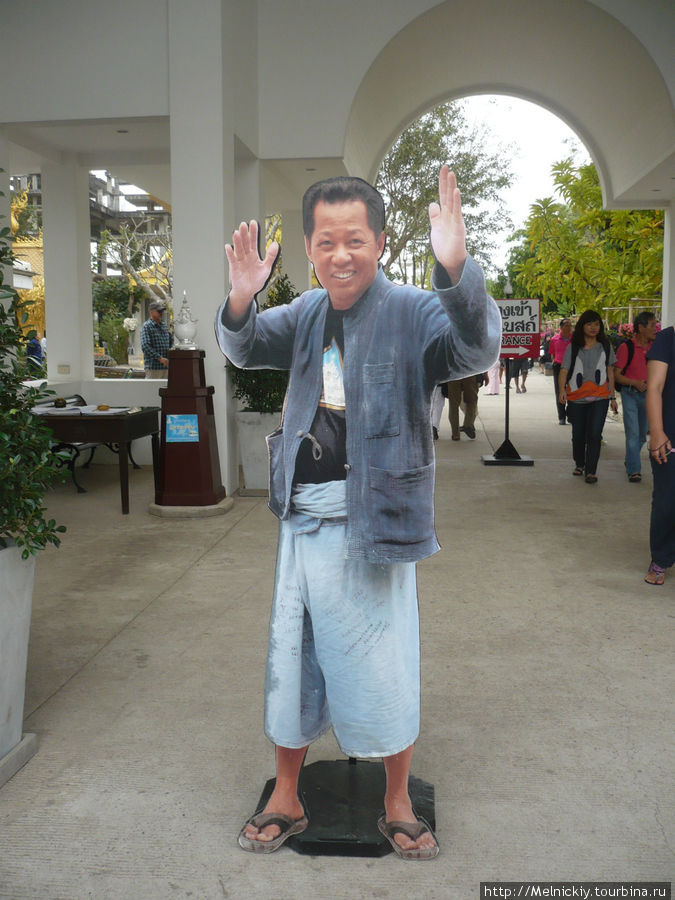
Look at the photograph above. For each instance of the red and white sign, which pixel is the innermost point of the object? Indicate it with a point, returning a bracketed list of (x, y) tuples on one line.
[(520, 328)]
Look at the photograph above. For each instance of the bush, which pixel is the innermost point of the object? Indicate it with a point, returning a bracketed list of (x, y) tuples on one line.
[(263, 390), (27, 464), (111, 330)]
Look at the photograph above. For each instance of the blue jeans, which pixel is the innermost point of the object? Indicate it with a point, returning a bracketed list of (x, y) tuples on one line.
[(634, 408), (344, 637), (588, 419), (662, 522)]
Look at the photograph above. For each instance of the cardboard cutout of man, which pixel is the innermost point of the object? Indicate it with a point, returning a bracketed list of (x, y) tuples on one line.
[(351, 479)]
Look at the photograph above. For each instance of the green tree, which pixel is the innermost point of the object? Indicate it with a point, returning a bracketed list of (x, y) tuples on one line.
[(581, 256), (116, 297), (408, 180), (518, 254), (144, 255)]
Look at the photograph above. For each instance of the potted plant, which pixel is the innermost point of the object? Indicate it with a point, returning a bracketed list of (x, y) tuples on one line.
[(27, 468), (261, 394)]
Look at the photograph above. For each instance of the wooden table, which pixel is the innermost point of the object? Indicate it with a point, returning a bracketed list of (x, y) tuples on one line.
[(120, 429)]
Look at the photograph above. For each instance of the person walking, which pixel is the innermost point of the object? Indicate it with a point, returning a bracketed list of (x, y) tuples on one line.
[(630, 372), (519, 370), (34, 356), (586, 383), (463, 389), (557, 346), (660, 403), (437, 403), (156, 341), (493, 378)]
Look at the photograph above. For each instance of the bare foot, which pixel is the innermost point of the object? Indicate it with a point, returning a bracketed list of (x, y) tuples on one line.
[(401, 811), (283, 803)]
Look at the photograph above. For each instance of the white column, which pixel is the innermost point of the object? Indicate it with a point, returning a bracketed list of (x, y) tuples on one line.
[(202, 188), (295, 262), (68, 301), (668, 292)]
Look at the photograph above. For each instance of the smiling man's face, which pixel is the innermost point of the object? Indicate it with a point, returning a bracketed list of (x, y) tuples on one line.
[(344, 250)]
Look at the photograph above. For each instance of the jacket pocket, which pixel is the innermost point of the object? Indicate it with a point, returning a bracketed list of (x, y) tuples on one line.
[(401, 507), (275, 451), (380, 404)]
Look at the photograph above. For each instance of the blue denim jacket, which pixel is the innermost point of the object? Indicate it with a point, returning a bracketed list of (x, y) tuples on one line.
[(400, 342)]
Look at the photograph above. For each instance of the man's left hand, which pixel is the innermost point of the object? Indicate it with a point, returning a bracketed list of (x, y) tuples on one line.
[(448, 232)]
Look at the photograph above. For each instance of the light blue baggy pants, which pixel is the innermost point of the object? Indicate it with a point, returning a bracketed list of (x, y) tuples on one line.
[(344, 637)]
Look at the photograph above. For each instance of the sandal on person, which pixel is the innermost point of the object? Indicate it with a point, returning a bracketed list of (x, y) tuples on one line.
[(635, 477), (591, 479), (658, 573), (578, 471), (413, 830), (287, 825)]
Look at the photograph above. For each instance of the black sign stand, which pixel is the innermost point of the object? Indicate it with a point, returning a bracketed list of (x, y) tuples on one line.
[(506, 454), (343, 801)]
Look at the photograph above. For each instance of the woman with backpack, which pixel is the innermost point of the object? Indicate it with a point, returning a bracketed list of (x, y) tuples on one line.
[(586, 384)]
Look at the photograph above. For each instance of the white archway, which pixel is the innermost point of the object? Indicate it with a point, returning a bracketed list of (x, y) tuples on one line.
[(573, 59)]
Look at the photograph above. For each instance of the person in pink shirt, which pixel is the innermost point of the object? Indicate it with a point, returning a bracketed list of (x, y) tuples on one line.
[(556, 348), (631, 373)]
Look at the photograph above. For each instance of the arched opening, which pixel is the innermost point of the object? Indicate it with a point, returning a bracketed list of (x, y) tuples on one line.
[(573, 59), (487, 140)]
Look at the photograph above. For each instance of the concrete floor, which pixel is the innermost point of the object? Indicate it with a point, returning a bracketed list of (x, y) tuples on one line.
[(547, 689)]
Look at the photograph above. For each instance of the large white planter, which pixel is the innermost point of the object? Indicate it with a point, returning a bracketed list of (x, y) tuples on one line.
[(16, 595), (253, 428)]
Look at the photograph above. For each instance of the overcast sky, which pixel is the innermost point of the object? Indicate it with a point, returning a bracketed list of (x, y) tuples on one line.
[(540, 139)]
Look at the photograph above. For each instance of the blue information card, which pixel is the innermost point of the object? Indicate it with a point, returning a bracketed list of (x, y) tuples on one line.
[(182, 429)]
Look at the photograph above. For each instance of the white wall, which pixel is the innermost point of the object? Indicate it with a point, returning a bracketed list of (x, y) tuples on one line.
[(82, 59), (312, 57)]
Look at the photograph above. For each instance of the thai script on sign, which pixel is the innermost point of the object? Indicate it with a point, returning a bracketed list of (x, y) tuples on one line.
[(521, 316)]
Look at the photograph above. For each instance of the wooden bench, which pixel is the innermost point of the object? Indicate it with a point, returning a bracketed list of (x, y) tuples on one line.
[(75, 450)]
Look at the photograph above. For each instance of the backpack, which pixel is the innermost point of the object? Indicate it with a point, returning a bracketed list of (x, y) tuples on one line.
[(631, 351), (605, 347)]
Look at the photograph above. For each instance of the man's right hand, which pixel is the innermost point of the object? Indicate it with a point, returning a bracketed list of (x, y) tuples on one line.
[(248, 272)]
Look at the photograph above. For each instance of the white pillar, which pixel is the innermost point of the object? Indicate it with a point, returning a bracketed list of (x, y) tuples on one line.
[(295, 262), (202, 187), (68, 301), (668, 292)]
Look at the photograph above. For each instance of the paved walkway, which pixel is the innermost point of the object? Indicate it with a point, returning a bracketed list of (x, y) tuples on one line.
[(547, 686)]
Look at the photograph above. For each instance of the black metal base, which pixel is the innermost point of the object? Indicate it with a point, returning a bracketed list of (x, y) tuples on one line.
[(344, 799), (507, 455), (507, 461)]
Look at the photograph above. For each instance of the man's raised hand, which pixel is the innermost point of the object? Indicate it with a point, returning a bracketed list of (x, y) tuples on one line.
[(448, 232), (248, 272)]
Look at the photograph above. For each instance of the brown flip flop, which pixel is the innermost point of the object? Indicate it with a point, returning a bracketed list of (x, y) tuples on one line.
[(413, 830), (287, 825)]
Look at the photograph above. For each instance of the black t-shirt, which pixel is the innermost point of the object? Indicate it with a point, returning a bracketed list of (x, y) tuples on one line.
[(662, 350), (329, 427)]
